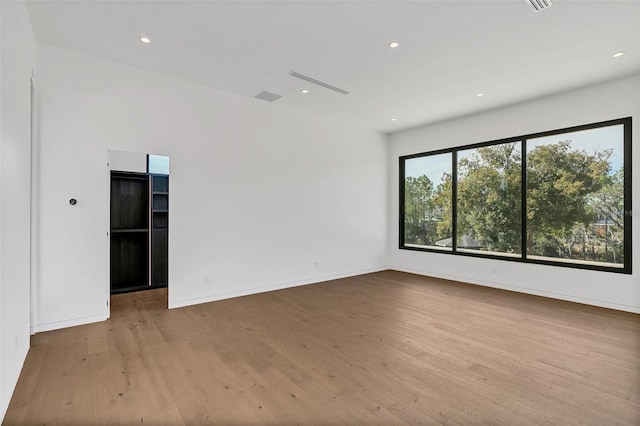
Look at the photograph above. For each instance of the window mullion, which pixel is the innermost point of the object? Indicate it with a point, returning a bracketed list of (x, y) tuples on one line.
[(523, 194), (454, 203)]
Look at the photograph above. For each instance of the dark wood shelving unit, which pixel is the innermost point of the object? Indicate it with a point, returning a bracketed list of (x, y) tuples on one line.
[(139, 231), (159, 230), (129, 231)]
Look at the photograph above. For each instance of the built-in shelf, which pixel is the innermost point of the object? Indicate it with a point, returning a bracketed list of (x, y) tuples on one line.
[(139, 231), (128, 231), (160, 233)]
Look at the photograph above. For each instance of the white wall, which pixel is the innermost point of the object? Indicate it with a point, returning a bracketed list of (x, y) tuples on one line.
[(258, 193), (126, 161), (15, 168), (603, 102)]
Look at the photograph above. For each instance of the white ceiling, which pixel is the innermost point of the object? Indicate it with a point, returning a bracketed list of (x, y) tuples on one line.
[(449, 50)]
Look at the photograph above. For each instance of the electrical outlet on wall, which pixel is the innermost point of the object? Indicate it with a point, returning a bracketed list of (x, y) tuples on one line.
[(207, 279), (317, 264)]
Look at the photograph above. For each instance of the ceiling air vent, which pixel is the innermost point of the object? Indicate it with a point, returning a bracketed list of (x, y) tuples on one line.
[(538, 5), (319, 83), (267, 96)]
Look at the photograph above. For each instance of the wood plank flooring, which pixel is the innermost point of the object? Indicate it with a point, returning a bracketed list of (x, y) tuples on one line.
[(385, 348)]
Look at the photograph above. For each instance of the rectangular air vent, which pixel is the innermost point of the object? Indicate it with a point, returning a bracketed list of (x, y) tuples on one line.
[(318, 82), (538, 5), (267, 96)]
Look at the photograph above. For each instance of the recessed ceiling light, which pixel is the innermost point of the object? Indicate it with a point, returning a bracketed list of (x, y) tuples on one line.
[(480, 94), (394, 44), (145, 40), (304, 91), (617, 54), (394, 119)]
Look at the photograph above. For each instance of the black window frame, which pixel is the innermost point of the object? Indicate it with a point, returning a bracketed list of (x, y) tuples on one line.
[(523, 258)]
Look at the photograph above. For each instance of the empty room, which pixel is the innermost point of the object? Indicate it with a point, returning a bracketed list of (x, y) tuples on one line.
[(319, 212)]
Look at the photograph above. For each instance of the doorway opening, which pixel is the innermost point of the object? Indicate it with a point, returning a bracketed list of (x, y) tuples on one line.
[(139, 222)]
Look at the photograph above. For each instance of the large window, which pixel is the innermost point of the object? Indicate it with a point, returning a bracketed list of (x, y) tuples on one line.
[(427, 204), (561, 197), (489, 199)]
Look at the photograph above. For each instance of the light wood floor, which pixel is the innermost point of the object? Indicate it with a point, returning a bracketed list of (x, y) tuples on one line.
[(384, 348)]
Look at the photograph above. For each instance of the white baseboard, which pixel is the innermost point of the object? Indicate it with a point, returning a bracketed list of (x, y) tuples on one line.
[(38, 328), (552, 295), (263, 289)]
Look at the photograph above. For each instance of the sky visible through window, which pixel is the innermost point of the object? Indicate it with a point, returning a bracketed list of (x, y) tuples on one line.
[(591, 141), (432, 166)]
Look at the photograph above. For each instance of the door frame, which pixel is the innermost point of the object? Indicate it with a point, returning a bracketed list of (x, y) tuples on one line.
[(134, 162)]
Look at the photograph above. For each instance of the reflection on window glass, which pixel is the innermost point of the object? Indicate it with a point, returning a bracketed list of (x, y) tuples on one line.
[(489, 199), (427, 196), (158, 164), (575, 196)]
